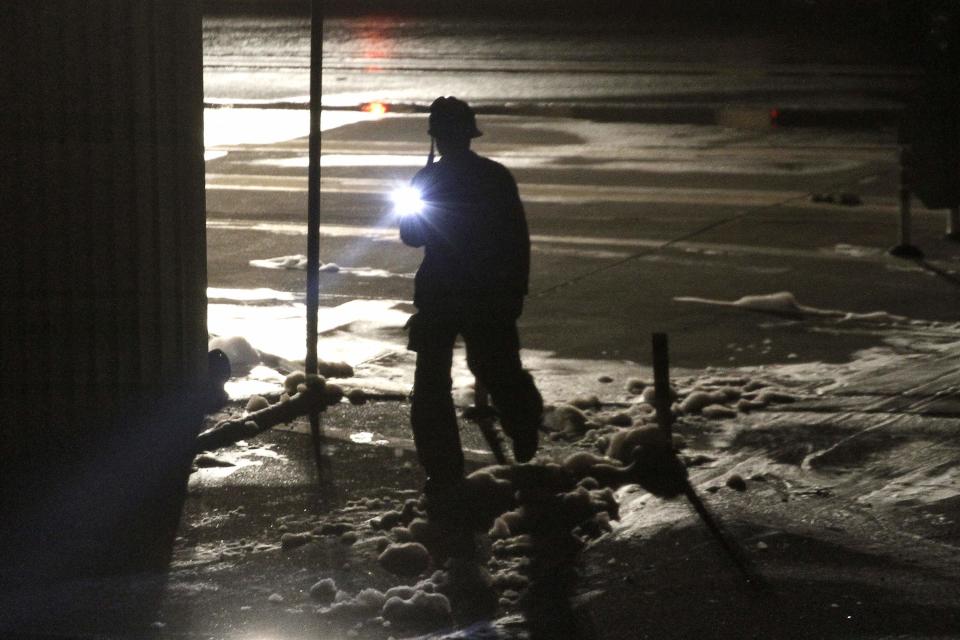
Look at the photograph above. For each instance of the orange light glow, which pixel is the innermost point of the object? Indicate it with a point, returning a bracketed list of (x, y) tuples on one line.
[(377, 108)]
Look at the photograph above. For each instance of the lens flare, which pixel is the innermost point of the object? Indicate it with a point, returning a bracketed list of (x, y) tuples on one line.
[(407, 201)]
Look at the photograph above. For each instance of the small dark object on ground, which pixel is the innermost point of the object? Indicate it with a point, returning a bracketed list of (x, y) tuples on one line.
[(736, 482), (845, 198)]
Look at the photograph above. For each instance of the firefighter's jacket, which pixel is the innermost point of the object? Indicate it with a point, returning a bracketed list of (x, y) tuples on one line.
[(475, 238)]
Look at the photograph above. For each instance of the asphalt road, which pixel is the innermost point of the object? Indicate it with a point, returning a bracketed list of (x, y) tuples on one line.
[(625, 218)]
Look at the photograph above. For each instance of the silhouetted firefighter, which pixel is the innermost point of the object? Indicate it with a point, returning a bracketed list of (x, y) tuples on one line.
[(465, 211), (931, 127)]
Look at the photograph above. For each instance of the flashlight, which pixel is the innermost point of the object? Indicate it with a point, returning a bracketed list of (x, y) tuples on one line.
[(407, 201)]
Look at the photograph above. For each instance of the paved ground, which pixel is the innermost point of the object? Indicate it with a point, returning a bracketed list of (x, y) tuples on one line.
[(850, 510), (849, 514), (625, 219)]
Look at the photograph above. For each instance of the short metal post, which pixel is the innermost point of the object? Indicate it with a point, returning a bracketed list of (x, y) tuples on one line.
[(663, 400), (905, 249), (661, 383), (953, 224)]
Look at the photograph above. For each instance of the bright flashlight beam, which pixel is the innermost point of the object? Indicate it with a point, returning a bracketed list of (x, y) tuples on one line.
[(407, 201)]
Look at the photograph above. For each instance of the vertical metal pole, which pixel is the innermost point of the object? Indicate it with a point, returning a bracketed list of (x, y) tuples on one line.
[(905, 249), (905, 215), (953, 224), (313, 214), (661, 383), (663, 401)]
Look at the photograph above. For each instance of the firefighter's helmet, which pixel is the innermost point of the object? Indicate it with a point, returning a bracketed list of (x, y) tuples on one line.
[(452, 117)]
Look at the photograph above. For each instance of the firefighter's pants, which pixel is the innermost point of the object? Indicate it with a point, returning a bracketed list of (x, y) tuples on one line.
[(493, 355)]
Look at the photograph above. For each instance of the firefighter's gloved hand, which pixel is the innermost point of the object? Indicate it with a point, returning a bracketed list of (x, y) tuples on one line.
[(658, 470)]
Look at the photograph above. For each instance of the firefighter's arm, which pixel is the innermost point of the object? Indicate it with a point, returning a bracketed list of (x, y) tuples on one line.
[(413, 231)]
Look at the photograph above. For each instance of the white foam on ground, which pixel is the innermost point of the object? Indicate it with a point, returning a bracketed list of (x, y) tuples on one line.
[(346, 160), (279, 330), (249, 295), (298, 262), (785, 303), (222, 127)]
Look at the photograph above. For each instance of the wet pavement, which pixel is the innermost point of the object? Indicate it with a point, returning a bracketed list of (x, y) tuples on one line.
[(839, 512), (635, 228), (628, 222)]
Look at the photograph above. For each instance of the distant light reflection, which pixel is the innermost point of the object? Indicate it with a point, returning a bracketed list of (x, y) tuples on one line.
[(377, 108)]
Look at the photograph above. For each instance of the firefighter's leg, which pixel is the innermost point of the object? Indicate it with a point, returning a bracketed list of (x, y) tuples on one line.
[(493, 355), (432, 414), (437, 437)]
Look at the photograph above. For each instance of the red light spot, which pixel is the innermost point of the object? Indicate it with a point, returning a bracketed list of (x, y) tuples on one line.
[(377, 108), (774, 116)]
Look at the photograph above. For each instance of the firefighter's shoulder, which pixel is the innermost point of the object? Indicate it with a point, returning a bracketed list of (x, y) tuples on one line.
[(494, 169), (425, 175)]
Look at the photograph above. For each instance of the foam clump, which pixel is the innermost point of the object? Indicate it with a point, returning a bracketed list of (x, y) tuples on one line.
[(423, 530), (405, 558), (782, 302), (294, 380), (403, 591), (421, 608), (586, 402), (718, 412), (387, 520), (565, 418), (619, 419), (580, 463), (296, 261), (649, 395), (357, 396), (507, 579), (499, 530), (239, 351), (256, 403), (623, 442), (293, 540), (371, 599), (208, 460), (334, 369), (697, 400), (324, 590), (333, 394)]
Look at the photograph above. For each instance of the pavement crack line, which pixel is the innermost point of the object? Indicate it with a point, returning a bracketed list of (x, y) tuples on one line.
[(692, 234), (866, 411), (943, 274)]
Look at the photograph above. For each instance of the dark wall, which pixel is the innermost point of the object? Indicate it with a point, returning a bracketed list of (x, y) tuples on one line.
[(103, 277)]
